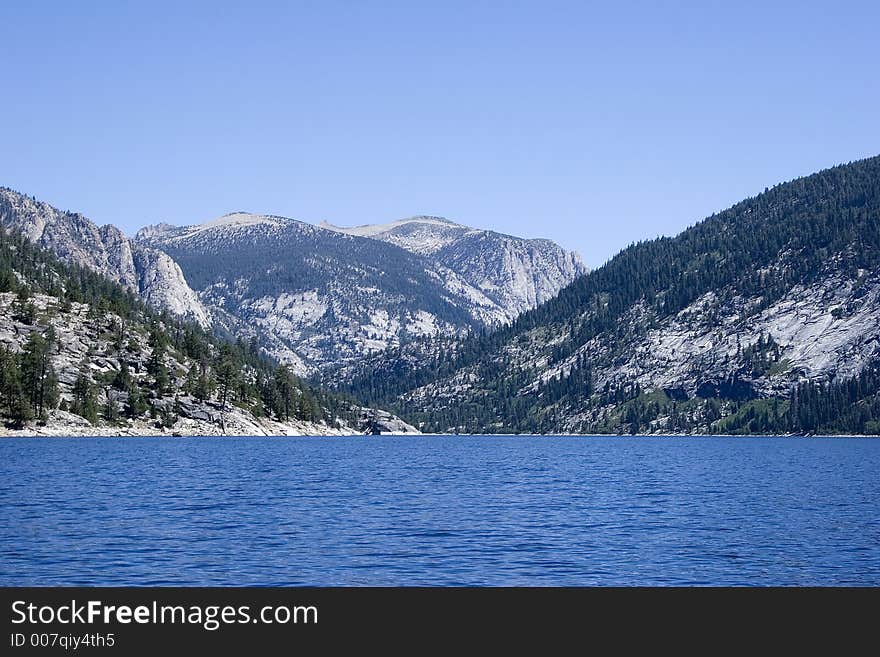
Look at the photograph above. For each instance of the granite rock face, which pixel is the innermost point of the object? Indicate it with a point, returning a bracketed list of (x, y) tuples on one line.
[(516, 273), (321, 297), (75, 239), (85, 345)]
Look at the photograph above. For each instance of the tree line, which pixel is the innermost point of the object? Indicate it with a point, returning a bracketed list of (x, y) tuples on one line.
[(793, 234), (183, 360)]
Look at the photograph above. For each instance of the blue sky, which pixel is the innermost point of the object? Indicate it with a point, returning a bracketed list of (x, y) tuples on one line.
[(594, 124)]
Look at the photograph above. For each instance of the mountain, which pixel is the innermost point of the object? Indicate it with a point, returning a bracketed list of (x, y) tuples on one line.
[(106, 250), (82, 355), (317, 297), (761, 318), (516, 273)]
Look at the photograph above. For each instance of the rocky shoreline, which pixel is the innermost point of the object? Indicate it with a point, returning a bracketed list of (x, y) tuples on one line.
[(64, 424)]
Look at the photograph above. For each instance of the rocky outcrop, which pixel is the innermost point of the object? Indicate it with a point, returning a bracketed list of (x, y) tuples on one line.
[(85, 344), (516, 273), (161, 284), (378, 422), (106, 250)]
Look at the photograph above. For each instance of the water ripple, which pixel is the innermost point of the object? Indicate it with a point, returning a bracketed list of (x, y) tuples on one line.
[(440, 511)]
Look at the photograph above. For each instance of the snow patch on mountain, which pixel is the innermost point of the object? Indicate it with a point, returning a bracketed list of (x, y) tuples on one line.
[(231, 221), (422, 235), (228, 225)]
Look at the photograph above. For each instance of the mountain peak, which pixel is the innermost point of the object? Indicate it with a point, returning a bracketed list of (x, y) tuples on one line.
[(164, 232), (240, 218), (371, 230), (518, 273), (154, 230)]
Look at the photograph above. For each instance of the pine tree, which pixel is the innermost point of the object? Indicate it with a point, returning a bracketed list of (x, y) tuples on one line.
[(227, 373), (135, 405), (37, 374), (285, 389), (85, 401), (111, 407), (23, 308), (156, 364)]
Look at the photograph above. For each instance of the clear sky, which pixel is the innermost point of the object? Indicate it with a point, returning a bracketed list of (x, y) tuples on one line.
[(594, 124)]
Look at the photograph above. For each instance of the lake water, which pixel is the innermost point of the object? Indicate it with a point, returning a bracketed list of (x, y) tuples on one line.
[(440, 511)]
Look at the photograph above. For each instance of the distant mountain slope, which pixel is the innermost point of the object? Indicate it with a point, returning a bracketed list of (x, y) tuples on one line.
[(729, 326), (318, 297), (516, 273), (315, 298), (106, 250)]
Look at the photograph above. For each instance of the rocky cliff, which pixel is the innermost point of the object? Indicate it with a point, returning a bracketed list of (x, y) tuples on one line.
[(319, 298), (106, 250)]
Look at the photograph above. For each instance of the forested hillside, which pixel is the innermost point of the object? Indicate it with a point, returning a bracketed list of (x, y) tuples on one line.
[(761, 318), (74, 343)]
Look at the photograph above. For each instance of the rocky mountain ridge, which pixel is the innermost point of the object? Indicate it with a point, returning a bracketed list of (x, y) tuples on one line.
[(82, 355), (75, 239), (318, 297), (315, 297), (762, 318), (517, 273)]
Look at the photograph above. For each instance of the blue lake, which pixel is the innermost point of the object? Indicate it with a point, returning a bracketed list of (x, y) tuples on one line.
[(440, 511)]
